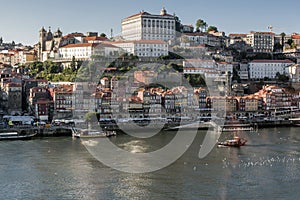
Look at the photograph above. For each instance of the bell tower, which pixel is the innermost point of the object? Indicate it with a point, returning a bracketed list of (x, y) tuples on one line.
[(42, 38)]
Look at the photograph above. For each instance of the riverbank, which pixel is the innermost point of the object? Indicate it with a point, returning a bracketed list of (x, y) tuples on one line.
[(57, 131)]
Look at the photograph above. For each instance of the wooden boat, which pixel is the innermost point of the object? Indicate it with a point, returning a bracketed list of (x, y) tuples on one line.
[(15, 135), (235, 142)]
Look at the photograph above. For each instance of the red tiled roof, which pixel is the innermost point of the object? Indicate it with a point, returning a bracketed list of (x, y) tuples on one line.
[(295, 36), (195, 34), (14, 85), (138, 41), (198, 60), (224, 63), (237, 35), (73, 35), (265, 33), (272, 61), (80, 45), (93, 38)]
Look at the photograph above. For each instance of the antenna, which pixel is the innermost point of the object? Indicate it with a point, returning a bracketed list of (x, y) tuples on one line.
[(270, 27)]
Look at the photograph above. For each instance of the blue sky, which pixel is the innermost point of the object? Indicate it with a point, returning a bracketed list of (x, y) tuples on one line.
[(20, 20)]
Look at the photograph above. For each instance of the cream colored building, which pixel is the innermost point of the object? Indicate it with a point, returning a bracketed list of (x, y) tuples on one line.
[(146, 26), (143, 48)]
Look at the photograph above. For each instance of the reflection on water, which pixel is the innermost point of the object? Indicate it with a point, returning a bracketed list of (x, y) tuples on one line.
[(61, 168), (135, 146)]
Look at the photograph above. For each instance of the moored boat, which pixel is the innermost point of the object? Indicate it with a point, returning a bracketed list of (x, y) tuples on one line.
[(93, 134), (15, 135), (237, 127), (235, 142)]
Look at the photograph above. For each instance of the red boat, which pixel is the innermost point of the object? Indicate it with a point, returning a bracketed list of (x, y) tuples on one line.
[(235, 142)]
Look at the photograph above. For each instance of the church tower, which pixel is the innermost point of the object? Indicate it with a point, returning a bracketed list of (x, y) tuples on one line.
[(42, 43), (42, 38), (58, 34)]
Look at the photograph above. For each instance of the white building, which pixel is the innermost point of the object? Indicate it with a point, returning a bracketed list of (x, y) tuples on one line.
[(261, 41), (237, 37), (79, 51), (199, 63), (198, 70), (225, 67), (199, 38), (208, 68), (259, 69), (143, 48), (84, 51), (145, 26), (294, 73)]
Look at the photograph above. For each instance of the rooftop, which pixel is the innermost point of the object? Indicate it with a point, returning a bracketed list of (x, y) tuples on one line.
[(272, 61)]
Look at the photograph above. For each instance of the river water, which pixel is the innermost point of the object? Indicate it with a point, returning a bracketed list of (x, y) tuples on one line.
[(268, 167)]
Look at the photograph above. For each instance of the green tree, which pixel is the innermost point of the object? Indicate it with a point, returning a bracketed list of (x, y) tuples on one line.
[(73, 64), (290, 42), (103, 35), (91, 117), (212, 28), (52, 68), (200, 25), (282, 77)]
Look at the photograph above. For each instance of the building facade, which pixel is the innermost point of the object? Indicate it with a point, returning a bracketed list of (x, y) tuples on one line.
[(259, 69), (143, 48), (146, 26)]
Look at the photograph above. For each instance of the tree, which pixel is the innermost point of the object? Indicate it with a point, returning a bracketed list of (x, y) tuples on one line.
[(1, 40), (282, 77), (212, 28), (200, 25), (290, 42), (282, 38), (277, 46), (205, 25), (73, 64), (91, 117), (103, 35)]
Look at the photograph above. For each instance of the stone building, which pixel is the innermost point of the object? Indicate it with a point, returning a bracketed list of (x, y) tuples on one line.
[(48, 43)]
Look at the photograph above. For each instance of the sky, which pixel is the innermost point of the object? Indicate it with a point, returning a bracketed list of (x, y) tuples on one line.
[(21, 20)]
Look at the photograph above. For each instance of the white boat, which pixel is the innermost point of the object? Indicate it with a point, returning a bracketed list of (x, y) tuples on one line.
[(237, 127), (86, 133), (14, 135)]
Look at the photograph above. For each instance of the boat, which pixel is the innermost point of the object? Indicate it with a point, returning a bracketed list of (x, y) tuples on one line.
[(235, 142), (237, 127), (86, 133), (15, 135)]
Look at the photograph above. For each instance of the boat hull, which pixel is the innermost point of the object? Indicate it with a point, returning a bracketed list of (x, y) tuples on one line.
[(17, 137)]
